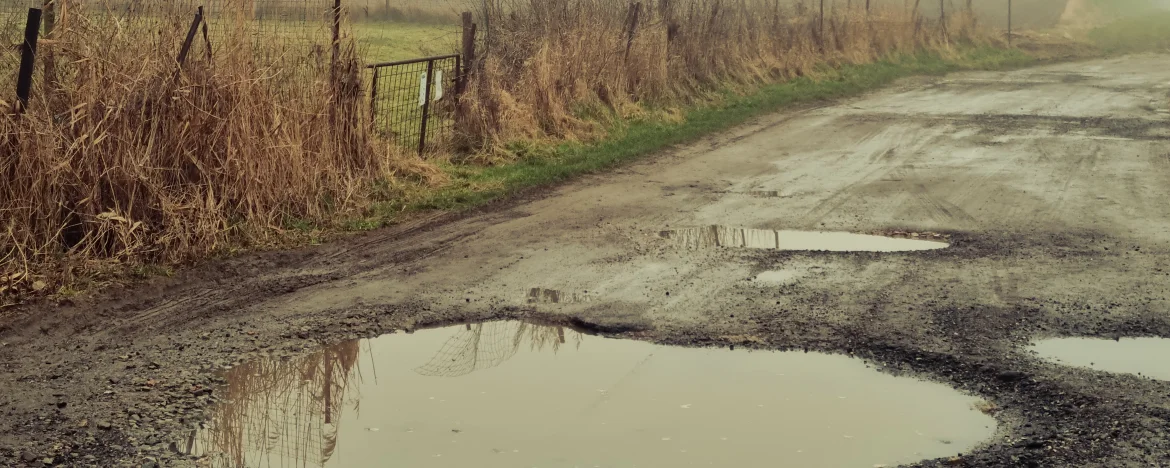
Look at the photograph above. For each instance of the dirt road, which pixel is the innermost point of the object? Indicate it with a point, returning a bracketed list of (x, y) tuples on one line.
[(1052, 184)]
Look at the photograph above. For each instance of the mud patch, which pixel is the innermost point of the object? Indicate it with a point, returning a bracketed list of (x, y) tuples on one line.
[(506, 394), (1141, 356), (729, 237), (764, 194)]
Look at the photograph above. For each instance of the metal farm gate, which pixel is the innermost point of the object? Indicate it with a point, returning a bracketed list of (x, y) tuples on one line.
[(412, 102)]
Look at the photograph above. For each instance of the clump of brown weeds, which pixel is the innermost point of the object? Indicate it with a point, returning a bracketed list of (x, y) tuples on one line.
[(120, 159), (543, 61)]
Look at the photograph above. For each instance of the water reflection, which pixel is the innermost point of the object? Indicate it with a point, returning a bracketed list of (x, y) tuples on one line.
[(288, 413), (282, 412), (516, 394), (486, 345), (731, 237), (1139, 356)]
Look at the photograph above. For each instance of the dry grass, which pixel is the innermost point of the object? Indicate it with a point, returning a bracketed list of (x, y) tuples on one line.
[(549, 63), (121, 162)]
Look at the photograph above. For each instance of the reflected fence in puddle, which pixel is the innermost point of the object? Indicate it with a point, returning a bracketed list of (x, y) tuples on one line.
[(288, 412), (486, 345), (276, 411), (731, 237)]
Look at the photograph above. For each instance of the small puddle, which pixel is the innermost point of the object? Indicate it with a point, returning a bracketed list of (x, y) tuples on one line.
[(723, 236), (517, 394), (1142, 356)]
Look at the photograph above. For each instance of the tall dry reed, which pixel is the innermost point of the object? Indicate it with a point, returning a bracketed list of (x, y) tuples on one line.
[(120, 160), (544, 60)]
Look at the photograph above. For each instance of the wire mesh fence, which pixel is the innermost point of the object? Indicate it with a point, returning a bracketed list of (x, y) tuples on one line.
[(412, 102)]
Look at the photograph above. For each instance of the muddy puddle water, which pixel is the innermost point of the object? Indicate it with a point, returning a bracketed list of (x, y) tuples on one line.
[(730, 237), (514, 394), (1142, 356)]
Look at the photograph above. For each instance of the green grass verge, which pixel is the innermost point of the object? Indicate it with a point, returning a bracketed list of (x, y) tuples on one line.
[(472, 186), (1144, 33), (1125, 7)]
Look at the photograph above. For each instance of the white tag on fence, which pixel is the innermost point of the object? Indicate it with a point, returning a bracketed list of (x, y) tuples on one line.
[(422, 90), (438, 93), (437, 88)]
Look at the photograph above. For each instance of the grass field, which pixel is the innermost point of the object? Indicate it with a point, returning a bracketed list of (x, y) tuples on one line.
[(383, 41)]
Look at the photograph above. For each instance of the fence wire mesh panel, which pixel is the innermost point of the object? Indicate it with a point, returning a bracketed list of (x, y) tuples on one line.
[(412, 102), (290, 38)]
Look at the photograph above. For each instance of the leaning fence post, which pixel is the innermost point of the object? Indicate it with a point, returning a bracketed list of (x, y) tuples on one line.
[(186, 49), (426, 110), (28, 52)]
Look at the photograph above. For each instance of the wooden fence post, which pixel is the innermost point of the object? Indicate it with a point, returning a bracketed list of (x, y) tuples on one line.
[(821, 27), (942, 17), (50, 8), (632, 23), (28, 52), (468, 51), (336, 38)]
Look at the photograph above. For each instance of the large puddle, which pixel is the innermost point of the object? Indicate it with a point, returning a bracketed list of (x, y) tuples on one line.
[(724, 236), (515, 394), (1142, 356)]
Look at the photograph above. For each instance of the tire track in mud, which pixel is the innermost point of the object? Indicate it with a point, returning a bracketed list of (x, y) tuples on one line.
[(1074, 171), (243, 287)]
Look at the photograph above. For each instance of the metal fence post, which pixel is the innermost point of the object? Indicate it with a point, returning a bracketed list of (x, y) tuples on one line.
[(1009, 23), (426, 110), (28, 52), (374, 98), (191, 32)]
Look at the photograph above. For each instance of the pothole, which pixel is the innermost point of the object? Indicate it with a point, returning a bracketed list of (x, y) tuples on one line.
[(730, 237), (508, 394), (1140, 356)]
